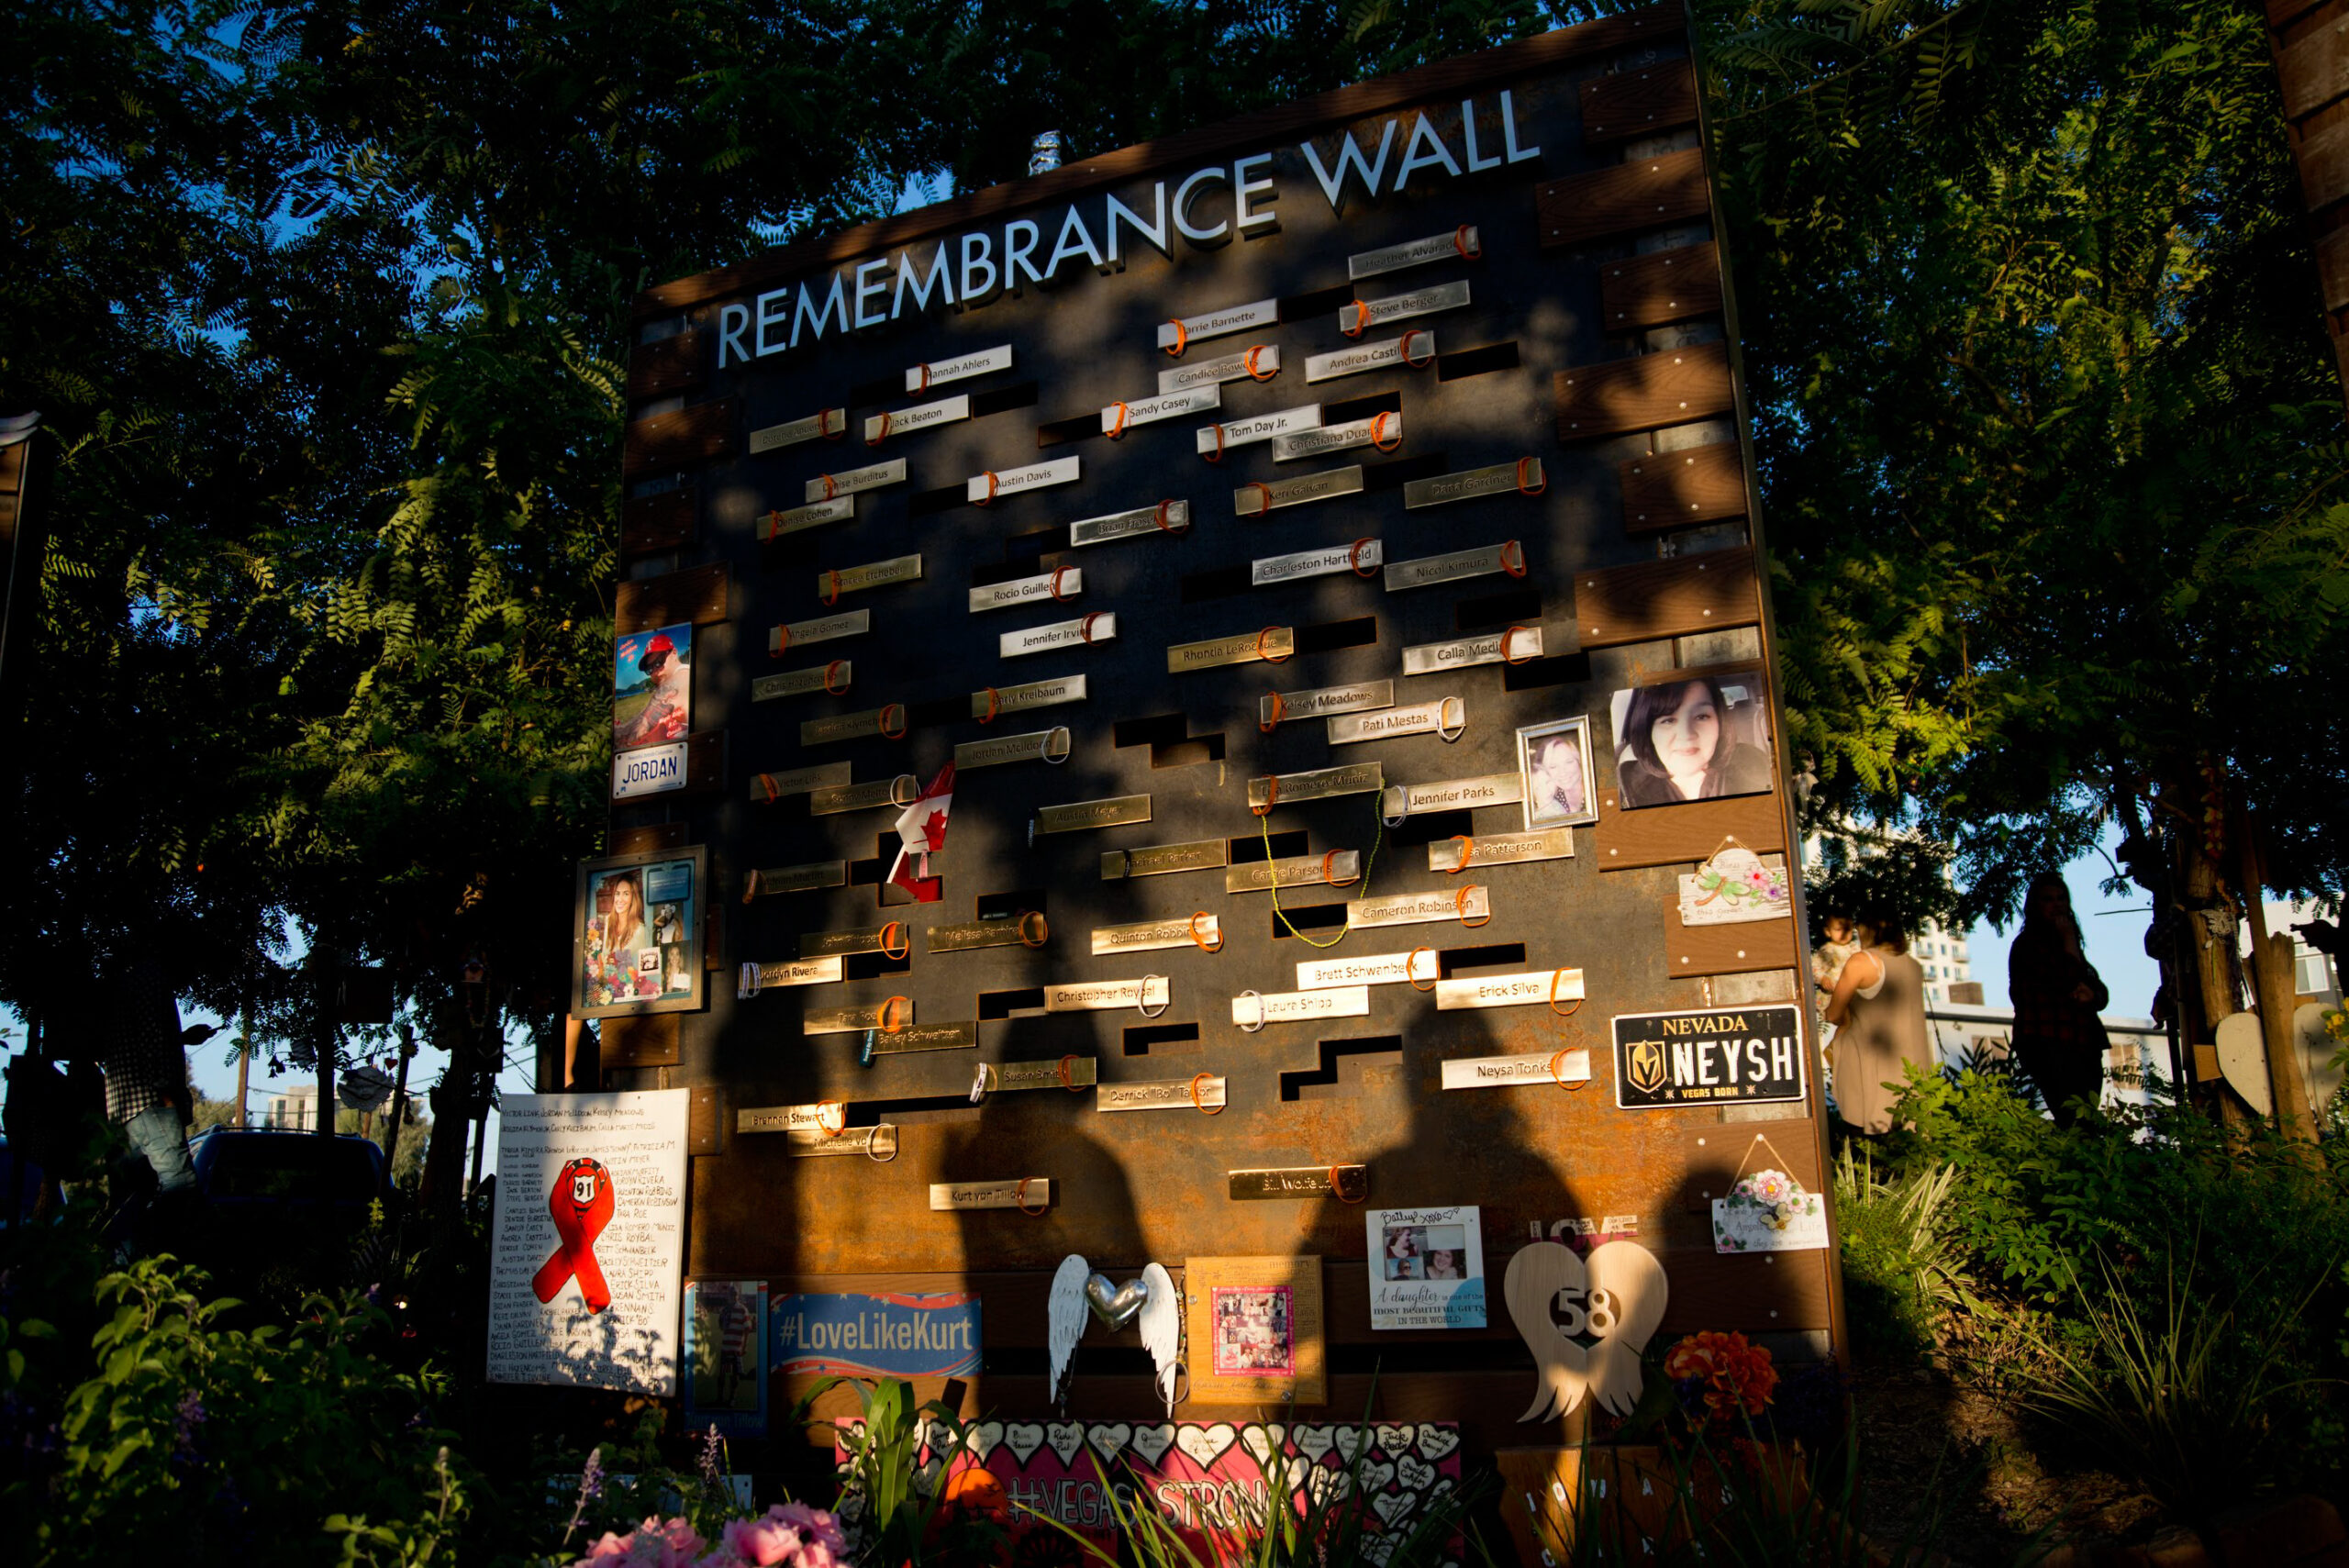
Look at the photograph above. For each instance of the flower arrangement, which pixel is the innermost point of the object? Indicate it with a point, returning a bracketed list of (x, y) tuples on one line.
[(1729, 1376), (788, 1535), (1772, 1201)]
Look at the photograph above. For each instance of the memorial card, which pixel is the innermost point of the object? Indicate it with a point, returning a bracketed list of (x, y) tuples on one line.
[(1553, 762), (1699, 739), (652, 688), (636, 947), (1427, 1268), (1255, 1330)]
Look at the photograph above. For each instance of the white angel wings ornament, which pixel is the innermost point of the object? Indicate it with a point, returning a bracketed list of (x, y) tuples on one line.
[(1151, 1299), (1617, 1298)]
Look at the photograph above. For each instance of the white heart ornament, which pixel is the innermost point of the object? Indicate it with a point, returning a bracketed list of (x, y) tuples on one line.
[(1435, 1441), (1263, 1442), (1207, 1444), (1109, 1439), (1394, 1441), (1375, 1477), (1393, 1506), (1025, 1440), (1313, 1442), (1349, 1441), (981, 1438), (1064, 1439), (1416, 1476), (1152, 1443)]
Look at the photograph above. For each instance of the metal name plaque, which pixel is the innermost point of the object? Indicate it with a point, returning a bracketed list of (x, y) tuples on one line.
[(1499, 479), (1069, 1073), (1204, 1093), (1263, 428), (1351, 1182), (1501, 850), (1218, 323), (1254, 500), (1368, 313), (1530, 989), (1252, 1011), (1272, 643), (816, 1119), (872, 939), (1101, 995), (771, 787), (648, 770), (1446, 717), (998, 700), (758, 977), (1508, 1072), (1119, 417), (1462, 244), (1066, 582), (921, 378), (774, 525), (1472, 903), (1079, 816), (879, 1143), (823, 628), (1382, 968), (993, 484), (1161, 860), (1371, 357), (820, 425), (1327, 699), (1452, 795), (1328, 563), (1099, 626), (901, 421), (1358, 778), (1150, 935), (1378, 429), (971, 935), (872, 574), (882, 721), (855, 1020), (1707, 1056), (798, 879), (872, 476), (1334, 869), (1514, 646), (899, 792), (964, 1036), (829, 679), (1266, 364), (1167, 517), (1033, 1193), (1431, 569), (1044, 745)]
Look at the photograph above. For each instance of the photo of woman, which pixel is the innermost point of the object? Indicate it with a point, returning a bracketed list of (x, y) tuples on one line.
[(1403, 1252), (1554, 765), (1694, 739), (637, 949)]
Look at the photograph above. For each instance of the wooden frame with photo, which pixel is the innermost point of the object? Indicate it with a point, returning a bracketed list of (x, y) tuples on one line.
[(1558, 814), (655, 966), (1256, 1333)]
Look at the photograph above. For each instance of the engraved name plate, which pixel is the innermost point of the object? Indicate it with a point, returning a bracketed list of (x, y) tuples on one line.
[(1079, 814), (792, 432), (799, 519), (900, 792), (1000, 700), (1334, 869), (968, 936), (875, 939), (1498, 480), (1508, 1072), (1296, 1006), (1445, 717), (1366, 313), (872, 1142), (799, 780), (921, 378), (1371, 357), (790, 1118), (1044, 745), (1161, 860), (1382, 430), (871, 477), (856, 1020), (1351, 1182), (903, 421), (1066, 582), (1121, 416), (831, 679), (1329, 562), (1217, 323), (1254, 500), (1463, 243), (798, 879), (1522, 642), (996, 483), (1273, 642), (1380, 969), (872, 574), (1068, 1073), (1357, 778), (1099, 995), (964, 1036), (1167, 517), (888, 720), (758, 977), (1230, 367), (1502, 849), (1101, 626), (1507, 556), (1263, 428), (1150, 935), (1421, 908), (1530, 989), (1034, 1193), (1328, 699), (822, 629), (1175, 1094)]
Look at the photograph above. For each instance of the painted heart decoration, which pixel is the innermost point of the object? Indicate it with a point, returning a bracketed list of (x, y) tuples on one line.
[(1064, 1437), (1436, 1441), (1114, 1305), (1207, 1444), (1394, 1441), (1263, 1442), (1109, 1439), (1416, 1476), (1349, 1440), (1152, 1443), (1313, 1441), (1025, 1440), (1375, 1477), (1393, 1506), (983, 1437)]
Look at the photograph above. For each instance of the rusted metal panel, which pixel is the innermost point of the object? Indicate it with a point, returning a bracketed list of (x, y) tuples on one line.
[(1678, 598), (664, 442), (651, 524), (1646, 193), (1647, 391), (1664, 286), (1639, 100), (1679, 489), (697, 596), (670, 366)]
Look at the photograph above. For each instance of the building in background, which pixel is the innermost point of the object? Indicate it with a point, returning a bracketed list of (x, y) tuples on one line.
[(292, 1108)]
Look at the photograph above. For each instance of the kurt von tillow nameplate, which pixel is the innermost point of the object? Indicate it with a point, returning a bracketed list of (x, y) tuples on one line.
[(1704, 1057)]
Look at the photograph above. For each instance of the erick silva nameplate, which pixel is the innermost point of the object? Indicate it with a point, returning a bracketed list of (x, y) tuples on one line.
[(1159, 859), (1166, 516), (1498, 480), (1079, 814), (998, 700), (871, 477), (1532, 989), (1705, 1057), (1501, 848)]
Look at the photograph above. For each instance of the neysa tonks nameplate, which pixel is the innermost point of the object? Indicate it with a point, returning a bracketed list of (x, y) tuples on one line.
[(1104, 995), (822, 425), (1259, 363), (1525, 477), (1077, 815), (1471, 903), (1101, 626), (1167, 517), (799, 519), (796, 879), (1272, 643), (1120, 417), (1383, 431), (758, 977), (1462, 244), (851, 482), (962, 367), (831, 679), (904, 421), (1414, 354), (1557, 1067), (1420, 964), (1507, 556), (872, 574), (888, 721), (1337, 868), (838, 799), (1205, 1092), (823, 628), (1263, 428), (768, 789), (1252, 1011), (1351, 1182), (1513, 646), (1254, 500), (1527, 990), (1362, 558), (1321, 700), (1446, 717), (1500, 850), (1218, 323), (1150, 935), (1704, 1058), (1366, 313), (1360, 778), (1066, 582), (993, 484), (1161, 859), (1452, 795), (1041, 746), (996, 701)]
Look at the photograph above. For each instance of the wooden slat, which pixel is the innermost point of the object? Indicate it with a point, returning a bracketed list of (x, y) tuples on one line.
[(651, 524), (2325, 167), (1656, 599), (1691, 950), (1681, 835), (1643, 100), (1714, 1150), (1674, 490), (651, 836), (1444, 81), (1646, 193), (2282, 14), (705, 1120), (2315, 69), (646, 1039), (670, 366), (2332, 269), (697, 595), (1665, 285), (669, 441), (704, 768), (1672, 386)]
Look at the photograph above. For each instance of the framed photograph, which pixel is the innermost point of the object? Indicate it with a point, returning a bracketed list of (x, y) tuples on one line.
[(1702, 737), (1553, 766), (1427, 1268), (1255, 1330), (652, 700), (725, 1381), (636, 944)]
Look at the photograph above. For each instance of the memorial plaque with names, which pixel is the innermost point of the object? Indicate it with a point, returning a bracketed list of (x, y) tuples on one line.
[(1470, 904), (1462, 244), (854, 481), (1320, 784), (821, 629), (879, 1143), (1553, 1067), (1218, 323), (887, 721), (799, 519), (1527, 990), (1336, 868), (1166, 516), (1446, 717), (1371, 357), (1366, 313), (856, 1020), (922, 417), (1383, 431), (1378, 969), (1000, 700), (1205, 1092), (1101, 626), (1068, 1073), (824, 425), (1513, 646), (1453, 794), (1331, 562), (1525, 476), (831, 679), (1161, 859), (1066, 582), (1250, 1012), (1010, 932), (900, 792), (875, 938), (1323, 700), (921, 378), (1351, 1182), (798, 879), (1120, 417), (1259, 363), (1271, 644), (1081, 815), (1104, 995), (758, 977), (1262, 427), (1042, 746), (872, 574), (1202, 930), (964, 1036), (1501, 848), (1030, 1192), (995, 483), (798, 781), (1254, 500), (1507, 556)]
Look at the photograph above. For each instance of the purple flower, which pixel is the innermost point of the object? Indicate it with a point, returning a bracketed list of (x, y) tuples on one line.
[(710, 1456)]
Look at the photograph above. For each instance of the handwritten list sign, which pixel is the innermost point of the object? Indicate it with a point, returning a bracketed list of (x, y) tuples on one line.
[(587, 1243)]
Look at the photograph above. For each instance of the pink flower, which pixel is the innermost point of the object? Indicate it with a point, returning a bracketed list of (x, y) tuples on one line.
[(788, 1535), (761, 1541)]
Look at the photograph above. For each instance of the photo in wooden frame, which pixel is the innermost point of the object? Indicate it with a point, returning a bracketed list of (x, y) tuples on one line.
[(1255, 1330), (637, 933), (1559, 786)]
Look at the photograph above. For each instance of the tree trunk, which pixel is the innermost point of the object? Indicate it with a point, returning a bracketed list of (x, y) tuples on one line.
[(2271, 967)]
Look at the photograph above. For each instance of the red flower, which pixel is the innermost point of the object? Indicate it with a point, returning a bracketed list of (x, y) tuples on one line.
[(1736, 1378)]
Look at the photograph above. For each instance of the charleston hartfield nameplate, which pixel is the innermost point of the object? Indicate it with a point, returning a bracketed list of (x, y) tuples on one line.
[(1361, 558)]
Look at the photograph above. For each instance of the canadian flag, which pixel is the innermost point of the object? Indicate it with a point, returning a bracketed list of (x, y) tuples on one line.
[(922, 827)]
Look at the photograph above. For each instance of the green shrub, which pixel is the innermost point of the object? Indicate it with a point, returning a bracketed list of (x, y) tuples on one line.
[(1903, 1268)]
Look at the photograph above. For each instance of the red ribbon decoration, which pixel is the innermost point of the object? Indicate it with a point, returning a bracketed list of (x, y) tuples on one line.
[(578, 1224)]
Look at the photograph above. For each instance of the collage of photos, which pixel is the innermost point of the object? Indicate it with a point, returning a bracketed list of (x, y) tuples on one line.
[(1255, 1332), (638, 951), (1427, 1268)]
